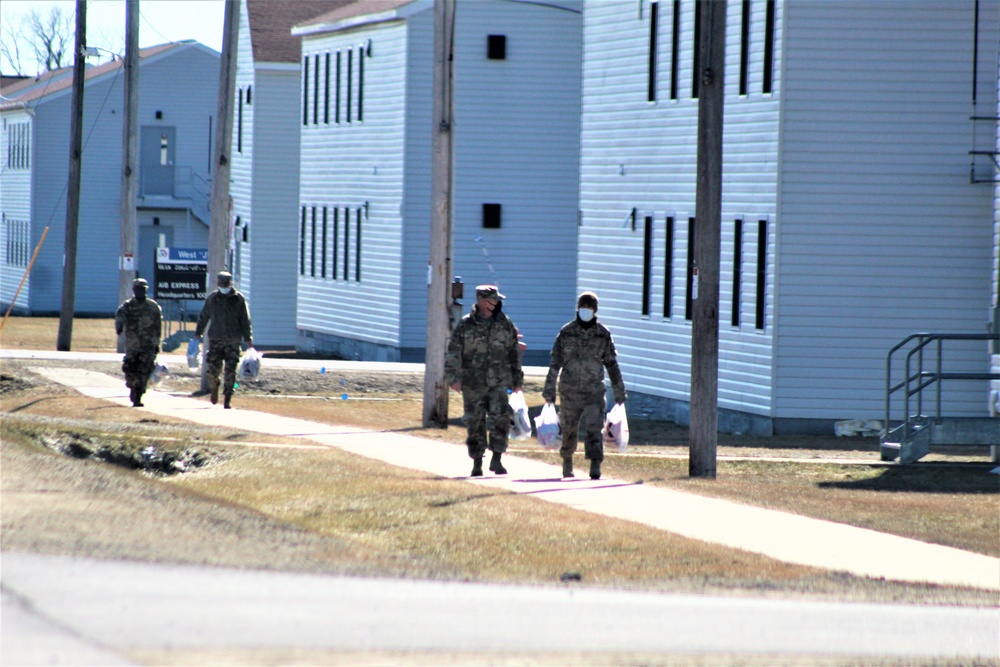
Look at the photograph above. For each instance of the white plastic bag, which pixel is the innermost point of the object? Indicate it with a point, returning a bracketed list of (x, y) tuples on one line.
[(616, 427), (521, 425), (160, 371), (194, 353), (548, 428), (249, 369)]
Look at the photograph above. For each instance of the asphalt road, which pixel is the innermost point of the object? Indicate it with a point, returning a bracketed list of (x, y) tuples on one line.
[(59, 610)]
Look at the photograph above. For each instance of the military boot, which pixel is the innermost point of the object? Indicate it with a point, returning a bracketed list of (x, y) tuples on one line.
[(228, 397), (477, 467), (595, 469), (496, 466), (567, 468), (137, 400), (215, 394)]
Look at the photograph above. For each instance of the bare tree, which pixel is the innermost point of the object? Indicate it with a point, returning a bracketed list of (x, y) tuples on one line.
[(45, 38)]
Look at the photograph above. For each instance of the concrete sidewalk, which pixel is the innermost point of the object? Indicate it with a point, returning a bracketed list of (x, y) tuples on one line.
[(780, 535)]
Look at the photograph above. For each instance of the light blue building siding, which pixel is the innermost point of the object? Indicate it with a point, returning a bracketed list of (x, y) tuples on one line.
[(516, 145), (177, 90), (846, 196)]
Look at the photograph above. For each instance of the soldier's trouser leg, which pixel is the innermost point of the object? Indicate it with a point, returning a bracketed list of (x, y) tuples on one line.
[(475, 423), (232, 363), (499, 414), (137, 366), (590, 414), (213, 364), (222, 353)]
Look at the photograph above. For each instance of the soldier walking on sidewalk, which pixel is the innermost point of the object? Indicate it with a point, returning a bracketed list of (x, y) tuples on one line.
[(227, 317), (140, 319)]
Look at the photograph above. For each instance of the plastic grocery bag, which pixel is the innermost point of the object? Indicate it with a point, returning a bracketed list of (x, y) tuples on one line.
[(160, 371), (548, 428), (616, 427), (249, 369), (521, 424), (194, 353)]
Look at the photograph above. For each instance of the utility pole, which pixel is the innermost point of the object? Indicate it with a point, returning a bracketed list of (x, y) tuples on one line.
[(130, 148), (704, 430), (442, 215), (65, 336), (218, 231)]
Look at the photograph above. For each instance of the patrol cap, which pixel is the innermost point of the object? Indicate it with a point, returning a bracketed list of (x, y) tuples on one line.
[(224, 278), (488, 292), (140, 282), (588, 299)]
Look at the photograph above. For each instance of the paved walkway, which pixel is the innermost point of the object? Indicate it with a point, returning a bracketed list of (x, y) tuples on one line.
[(781, 535)]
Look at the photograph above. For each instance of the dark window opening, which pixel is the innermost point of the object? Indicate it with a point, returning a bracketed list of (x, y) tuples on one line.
[(322, 262), (336, 104), (689, 288), (249, 95), (653, 23), (336, 238), (357, 249), (246, 233), (305, 90), (668, 268), (647, 262), (769, 47), (239, 123), (737, 271), (350, 67), (745, 49), (761, 272), (326, 92), (496, 47), (312, 245), (361, 83), (695, 73), (316, 92), (347, 239), (302, 243), (491, 216), (675, 50)]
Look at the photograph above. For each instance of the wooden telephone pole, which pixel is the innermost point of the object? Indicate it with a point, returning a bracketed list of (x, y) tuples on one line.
[(442, 214), (704, 430), (68, 305), (130, 149)]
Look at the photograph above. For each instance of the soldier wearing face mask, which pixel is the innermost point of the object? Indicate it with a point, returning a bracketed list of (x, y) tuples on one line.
[(582, 351), (227, 317), (139, 318)]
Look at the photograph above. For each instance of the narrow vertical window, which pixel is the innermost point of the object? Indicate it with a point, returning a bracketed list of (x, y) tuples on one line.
[(336, 102), (239, 124), (668, 268), (357, 249), (689, 291), (322, 255), (675, 50), (336, 239), (653, 26), (745, 49), (761, 272), (249, 95), (647, 262), (350, 67), (316, 91), (305, 90), (347, 239), (737, 271), (361, 83), (302, 243), (326, 91), (312, 245), (695, 73), (769, 47)]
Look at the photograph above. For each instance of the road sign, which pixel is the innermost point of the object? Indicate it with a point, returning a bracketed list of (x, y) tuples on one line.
[(181, 274)]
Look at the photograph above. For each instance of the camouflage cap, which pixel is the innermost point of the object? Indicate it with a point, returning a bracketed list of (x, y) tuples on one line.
[(224, 278), (587, 298), (140, 282), (488, 292)]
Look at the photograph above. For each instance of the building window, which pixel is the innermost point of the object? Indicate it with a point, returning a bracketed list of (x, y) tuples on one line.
[(18, 146), (336, 239), (491, 216), (316, 90), (695, 75), (239, 123), (496, 47), (312, 245), (647, 262), (336, 102), (745, 48), (347, 240), (322, 255), (357, 248), (675, 50), (164, 150), (361, 83), (249, 96), (302, 243), (305, 90), (668, 268), (654, 9), (326, 92), (689, 287), (350, 67), (18, 235), (769, 47), (761, 273), (737, 271)]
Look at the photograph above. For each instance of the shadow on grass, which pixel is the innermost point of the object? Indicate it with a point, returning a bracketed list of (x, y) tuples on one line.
[(927, 478)]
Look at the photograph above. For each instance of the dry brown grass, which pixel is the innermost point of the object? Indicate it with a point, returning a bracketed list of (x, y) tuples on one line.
[(41, 333)]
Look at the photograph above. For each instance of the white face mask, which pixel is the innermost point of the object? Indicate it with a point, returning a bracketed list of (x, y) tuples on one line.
[(586, 314), (225, 290)]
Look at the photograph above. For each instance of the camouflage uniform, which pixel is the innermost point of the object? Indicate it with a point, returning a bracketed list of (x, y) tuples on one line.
[(140, 320), (582, 351), (230, 324), (483, 355)]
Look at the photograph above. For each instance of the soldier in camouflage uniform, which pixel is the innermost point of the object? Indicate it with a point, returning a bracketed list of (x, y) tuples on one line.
[(583, 349), (139, 318), (227, 310), (483, 364)]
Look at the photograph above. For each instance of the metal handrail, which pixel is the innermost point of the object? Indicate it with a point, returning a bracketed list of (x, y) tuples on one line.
[(915, 383)]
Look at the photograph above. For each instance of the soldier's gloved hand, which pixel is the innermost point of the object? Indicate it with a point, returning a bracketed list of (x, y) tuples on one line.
[(457, 387)]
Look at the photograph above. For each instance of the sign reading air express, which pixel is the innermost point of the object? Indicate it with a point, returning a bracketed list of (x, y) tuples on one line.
[(181, 273)]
